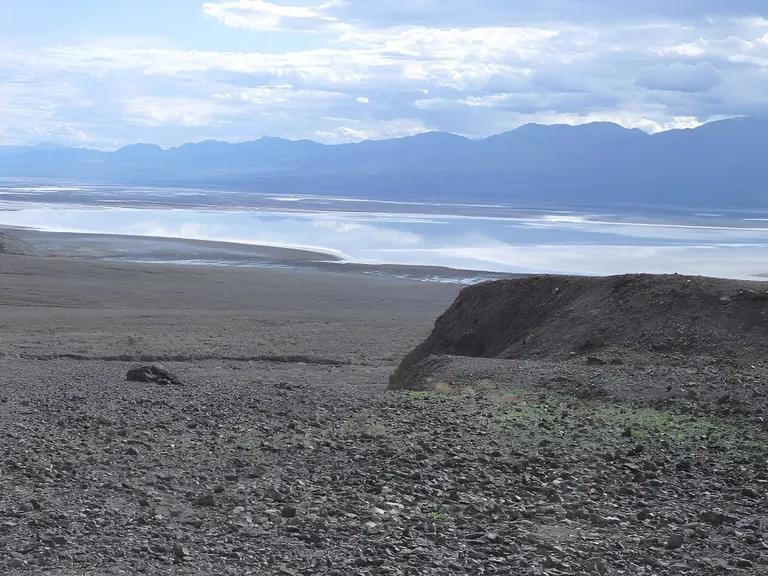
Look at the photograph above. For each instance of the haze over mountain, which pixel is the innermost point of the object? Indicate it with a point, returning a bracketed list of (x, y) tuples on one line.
[(718, 164)]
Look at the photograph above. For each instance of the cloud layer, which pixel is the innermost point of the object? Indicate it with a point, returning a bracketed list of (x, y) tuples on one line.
[(261, 16), (349, 70)]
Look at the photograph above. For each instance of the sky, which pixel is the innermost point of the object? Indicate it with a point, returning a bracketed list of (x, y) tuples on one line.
[(100, 74)]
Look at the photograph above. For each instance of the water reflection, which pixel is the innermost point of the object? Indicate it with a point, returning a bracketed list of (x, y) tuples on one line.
[(496, 238)]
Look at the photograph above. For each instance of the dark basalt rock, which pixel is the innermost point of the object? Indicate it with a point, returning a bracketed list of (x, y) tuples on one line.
[(154, 375)]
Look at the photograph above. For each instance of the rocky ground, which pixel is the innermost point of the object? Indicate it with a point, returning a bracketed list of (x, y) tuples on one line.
[(282, 452)]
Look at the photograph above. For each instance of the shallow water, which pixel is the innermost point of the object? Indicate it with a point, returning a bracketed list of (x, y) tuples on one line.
[(502, 238)]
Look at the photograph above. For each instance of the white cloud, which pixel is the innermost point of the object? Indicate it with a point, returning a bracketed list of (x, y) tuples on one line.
[(259, 15), (628, 119), (442, 66), (161, 111), (355, 130), (283, 96), (390, 63), (491, 44)]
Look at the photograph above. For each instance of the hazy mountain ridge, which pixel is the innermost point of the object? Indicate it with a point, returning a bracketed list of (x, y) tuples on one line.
[(717, 164)]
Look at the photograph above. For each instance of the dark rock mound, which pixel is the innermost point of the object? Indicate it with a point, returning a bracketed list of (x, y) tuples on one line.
[(12, 245), (556, 318), (153, 375)]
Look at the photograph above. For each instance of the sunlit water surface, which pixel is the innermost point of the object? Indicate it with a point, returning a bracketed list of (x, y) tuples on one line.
[(498, 237)]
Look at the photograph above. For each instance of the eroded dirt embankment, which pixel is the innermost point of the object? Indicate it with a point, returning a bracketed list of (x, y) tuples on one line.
[(642, 337)]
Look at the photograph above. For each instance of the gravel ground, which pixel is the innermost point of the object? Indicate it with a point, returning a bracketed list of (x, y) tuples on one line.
[(284, 453)]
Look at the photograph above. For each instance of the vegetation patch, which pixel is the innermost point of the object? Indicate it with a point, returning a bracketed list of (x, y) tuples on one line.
[(560, 416)]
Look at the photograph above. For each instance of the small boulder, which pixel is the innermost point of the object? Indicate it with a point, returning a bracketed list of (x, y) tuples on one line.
[(674, 542), (288, 512), (153, 374), (716, 518), (206, 501), (750, 492)]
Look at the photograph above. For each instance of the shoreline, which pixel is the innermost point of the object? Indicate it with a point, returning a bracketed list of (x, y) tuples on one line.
[(464, 246), (221, 254)]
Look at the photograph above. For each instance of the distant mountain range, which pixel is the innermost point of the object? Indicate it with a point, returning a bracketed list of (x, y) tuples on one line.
[(719, 164)]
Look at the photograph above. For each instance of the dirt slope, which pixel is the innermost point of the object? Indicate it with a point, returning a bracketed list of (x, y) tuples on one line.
[(558, 318)]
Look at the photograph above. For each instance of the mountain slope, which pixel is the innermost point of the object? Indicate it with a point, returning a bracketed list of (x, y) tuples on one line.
[(718, 164)]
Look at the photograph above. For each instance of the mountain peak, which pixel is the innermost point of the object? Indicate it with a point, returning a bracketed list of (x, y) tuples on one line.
[(718, 164), (139, 147)]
